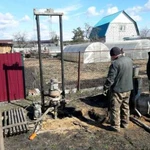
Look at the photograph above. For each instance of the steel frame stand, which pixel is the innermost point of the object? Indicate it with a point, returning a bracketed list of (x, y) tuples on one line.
[(49, 12)]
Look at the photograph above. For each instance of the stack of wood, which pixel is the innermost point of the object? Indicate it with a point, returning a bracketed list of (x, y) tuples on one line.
[(14, 122)]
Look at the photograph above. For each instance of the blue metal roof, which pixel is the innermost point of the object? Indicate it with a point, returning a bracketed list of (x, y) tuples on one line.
[(99, 31), (107, 19)]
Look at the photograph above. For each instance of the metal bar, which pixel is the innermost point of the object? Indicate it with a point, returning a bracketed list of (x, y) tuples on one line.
[(79, 69), (40, 61), (62, 57), (48, 110), (140, 123), (47, 12), (1, 134), (23, 74), (55, 112)]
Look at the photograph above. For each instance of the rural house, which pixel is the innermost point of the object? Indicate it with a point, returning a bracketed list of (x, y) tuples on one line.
[(6, 46), (115, 27)]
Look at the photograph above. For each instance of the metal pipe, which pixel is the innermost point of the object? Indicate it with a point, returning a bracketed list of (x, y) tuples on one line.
[(140, 123), (40, 61), (79, 69), (62, 56), (23, 71)]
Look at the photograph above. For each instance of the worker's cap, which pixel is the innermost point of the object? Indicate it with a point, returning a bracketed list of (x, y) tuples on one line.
[(115, 51)]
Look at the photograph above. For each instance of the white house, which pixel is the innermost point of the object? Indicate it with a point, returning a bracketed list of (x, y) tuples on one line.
[(114, 27)]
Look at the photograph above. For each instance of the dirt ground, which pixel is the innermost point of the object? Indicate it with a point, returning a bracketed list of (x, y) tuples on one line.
[(78, 126)]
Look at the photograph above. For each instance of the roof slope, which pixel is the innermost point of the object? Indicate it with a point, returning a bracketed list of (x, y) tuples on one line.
[(77, 47), (107, 19), (9, 42)]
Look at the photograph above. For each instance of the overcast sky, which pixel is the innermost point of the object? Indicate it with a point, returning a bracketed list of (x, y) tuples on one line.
[(17, 15)]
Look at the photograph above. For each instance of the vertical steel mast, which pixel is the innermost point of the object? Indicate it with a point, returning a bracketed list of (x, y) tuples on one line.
[(49, 12)]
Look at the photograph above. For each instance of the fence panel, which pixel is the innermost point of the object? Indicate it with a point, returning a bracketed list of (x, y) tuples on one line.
[(12, 78)]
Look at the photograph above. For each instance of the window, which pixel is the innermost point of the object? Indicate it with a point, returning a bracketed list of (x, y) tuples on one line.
[(122, 28)]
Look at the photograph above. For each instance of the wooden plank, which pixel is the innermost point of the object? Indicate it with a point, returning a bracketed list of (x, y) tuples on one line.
[(5, 121), (23, 119), (15, 121), (18, 120), (9, 122), (1, 134), (13, 125), (12, 117)]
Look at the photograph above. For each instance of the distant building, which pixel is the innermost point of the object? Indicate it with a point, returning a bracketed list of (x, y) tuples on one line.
[(114, 27), (6, 46), (31, 47)]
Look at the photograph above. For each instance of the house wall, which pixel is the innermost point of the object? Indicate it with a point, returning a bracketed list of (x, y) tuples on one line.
[(119, 28), (5, 49)]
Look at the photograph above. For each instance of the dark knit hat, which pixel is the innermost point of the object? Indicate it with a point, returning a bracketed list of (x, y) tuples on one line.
[(115, 51)]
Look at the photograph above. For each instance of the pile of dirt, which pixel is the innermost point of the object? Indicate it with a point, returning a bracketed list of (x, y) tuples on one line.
[(65, 125)]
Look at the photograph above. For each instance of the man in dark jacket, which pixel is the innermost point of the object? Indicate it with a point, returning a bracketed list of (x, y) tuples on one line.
[(120, 83)]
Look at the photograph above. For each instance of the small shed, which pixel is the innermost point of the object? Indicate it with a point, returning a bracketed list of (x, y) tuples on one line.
[(136, 49), (6, 46), (89, 52)]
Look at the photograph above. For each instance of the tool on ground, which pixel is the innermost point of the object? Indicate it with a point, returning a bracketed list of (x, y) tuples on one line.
[(140, 123), (37, 128), (38, 124)]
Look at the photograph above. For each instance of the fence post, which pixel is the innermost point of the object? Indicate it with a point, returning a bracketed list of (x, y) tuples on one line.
[(1, 134), (79, 70)]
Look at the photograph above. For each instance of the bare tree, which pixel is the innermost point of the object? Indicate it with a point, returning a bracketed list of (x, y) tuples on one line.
[(145, 32), (20, 39), (87, 31)]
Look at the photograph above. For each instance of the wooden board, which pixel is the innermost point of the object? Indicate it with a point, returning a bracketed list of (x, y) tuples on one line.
[(14, 122), (1, 134)]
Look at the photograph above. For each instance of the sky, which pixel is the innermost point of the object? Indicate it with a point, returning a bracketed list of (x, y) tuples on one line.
[(16, 16)]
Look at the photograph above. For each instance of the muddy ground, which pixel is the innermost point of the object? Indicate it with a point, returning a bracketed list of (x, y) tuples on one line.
[(79, 127)]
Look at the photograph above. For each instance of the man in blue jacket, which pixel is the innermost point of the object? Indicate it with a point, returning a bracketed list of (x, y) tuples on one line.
[(120, 83)]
